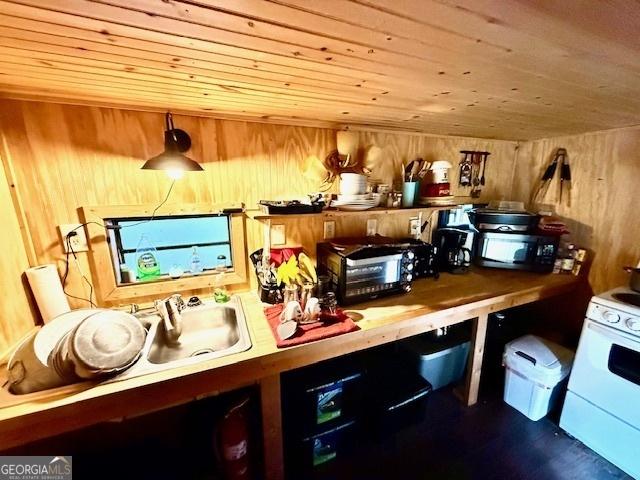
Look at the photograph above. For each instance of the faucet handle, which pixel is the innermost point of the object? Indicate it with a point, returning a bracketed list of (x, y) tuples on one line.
[(179, 301)]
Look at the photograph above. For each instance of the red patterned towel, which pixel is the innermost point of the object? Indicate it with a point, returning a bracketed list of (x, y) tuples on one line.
[(310, 332)]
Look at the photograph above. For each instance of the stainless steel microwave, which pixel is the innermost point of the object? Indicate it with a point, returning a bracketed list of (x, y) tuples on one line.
[(536, 253), (365, 269)]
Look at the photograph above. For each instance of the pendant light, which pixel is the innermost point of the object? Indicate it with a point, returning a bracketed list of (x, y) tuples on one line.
[(172, 159)]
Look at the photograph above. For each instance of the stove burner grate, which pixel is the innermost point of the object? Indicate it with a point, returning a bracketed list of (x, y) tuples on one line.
[(630, 298)]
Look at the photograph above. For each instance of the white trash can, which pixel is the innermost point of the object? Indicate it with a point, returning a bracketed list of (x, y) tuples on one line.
[(536, 370)]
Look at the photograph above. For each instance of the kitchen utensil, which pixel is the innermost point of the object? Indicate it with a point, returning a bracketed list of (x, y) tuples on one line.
[(548, 174), (424, 169), (453, 256), (27, 374), (565, 178), (407, 171), (634, 279), (485, 156), (49, 335), (286, 329), (409, 190), (496, 220), (107, 342), (437, 201), (312, 310), (464, 178)]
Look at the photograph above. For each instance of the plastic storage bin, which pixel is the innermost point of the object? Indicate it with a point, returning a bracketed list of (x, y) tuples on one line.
[(536, 370), (440, 364)]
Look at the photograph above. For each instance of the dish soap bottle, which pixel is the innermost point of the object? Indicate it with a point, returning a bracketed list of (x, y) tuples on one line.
[(147, 261), (196, 264)]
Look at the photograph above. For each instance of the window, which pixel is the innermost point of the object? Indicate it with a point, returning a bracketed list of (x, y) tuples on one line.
[(173, 241)]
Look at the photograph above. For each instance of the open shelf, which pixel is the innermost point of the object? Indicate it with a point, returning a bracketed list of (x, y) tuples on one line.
[(331, 213)]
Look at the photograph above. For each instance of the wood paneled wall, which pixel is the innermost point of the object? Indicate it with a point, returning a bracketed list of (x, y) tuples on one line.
[(16, 315), (66, 156), (605, 168)]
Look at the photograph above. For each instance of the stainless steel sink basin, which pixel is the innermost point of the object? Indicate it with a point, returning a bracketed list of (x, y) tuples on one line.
[(210, 330)]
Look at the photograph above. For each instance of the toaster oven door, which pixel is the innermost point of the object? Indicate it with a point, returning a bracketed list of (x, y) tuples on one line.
[(370, 276)]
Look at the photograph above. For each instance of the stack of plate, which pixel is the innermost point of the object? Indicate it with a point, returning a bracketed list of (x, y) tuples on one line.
[(352, 203), (437, 201), (353, 184)]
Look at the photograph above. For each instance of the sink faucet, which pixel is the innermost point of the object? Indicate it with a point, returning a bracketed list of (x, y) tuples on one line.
[(169, 310)]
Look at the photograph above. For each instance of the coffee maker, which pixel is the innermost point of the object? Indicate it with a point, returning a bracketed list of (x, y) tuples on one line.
[(454, 254)]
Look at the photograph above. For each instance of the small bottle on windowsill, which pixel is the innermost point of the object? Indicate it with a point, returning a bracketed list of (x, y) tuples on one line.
[(220, 294)]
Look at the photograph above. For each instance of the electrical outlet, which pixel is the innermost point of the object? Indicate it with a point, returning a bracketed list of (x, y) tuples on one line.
[(372, 227), (414, 227), (78, 241), (278, 235), (329, 229)]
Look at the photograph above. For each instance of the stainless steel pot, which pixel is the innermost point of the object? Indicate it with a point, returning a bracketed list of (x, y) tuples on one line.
[(634, 279)]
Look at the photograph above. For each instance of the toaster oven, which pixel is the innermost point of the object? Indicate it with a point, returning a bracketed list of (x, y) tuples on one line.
[(361, 271)]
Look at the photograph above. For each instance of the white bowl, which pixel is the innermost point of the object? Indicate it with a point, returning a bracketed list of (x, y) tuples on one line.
[(353, 184)]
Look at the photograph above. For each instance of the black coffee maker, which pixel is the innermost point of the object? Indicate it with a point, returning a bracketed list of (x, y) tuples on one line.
[(453, 256)]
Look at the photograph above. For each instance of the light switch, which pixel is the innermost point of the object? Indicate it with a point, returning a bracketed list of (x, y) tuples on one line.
[(414, 227), (372, 227), (278, 235), (329, 229)]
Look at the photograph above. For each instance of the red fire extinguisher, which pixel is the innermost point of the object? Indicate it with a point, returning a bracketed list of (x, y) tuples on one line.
[(231, 442)]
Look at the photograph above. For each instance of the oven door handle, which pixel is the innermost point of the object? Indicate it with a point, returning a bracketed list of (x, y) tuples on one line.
[(369, 261), (619, 338)]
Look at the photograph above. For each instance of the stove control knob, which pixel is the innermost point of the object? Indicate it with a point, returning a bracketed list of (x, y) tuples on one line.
[(633, 324), (611, 317), (410, 267), (410, 255)]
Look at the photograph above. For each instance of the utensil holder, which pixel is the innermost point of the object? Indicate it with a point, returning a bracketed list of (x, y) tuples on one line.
[(409, 190)]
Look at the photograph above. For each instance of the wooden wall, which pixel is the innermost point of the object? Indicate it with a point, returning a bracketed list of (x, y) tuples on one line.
[(605, 167), (65, 157), (16, 315)]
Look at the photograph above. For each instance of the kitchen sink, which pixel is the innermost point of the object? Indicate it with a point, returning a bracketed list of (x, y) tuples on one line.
[(211, 330)]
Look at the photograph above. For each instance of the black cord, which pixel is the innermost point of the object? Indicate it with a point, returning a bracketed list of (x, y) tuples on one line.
[(69, 247), (66, 271), (153, 214)]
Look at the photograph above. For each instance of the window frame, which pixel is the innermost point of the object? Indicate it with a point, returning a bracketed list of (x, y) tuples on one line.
[(101, 259)]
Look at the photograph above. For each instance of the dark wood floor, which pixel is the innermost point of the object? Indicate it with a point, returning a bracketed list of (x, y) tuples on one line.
[(488, 441)]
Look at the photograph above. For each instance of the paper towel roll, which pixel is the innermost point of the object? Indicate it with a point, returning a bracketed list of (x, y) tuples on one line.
[(47, 290)]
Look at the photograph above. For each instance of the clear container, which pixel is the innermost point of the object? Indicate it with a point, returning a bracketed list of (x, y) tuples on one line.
[(220, 294), (196, 266), (291, 294)]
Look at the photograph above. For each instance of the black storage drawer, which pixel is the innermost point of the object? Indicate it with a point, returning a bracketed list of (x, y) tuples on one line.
[(318, 398)]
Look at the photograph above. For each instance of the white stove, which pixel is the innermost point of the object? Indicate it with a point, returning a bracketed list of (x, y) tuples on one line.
[(613, 308), (601, 408)]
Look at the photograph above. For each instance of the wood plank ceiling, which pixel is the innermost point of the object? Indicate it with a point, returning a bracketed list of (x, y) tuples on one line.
[(503, 69)]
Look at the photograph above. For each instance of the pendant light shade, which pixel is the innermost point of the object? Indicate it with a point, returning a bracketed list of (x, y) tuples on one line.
[(172, 159)]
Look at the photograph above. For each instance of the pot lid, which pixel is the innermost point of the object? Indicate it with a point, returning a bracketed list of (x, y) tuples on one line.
[(108, 340)]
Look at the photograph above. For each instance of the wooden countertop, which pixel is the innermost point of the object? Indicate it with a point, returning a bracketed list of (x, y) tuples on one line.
[(431, 304)]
